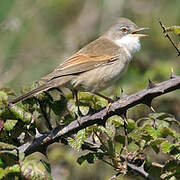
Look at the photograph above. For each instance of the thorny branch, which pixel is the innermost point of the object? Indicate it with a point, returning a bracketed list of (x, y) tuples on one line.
[(120, 106), (145, 96), (167, 35)]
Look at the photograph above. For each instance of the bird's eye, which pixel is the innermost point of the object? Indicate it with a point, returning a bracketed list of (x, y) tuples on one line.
[(124, 29)]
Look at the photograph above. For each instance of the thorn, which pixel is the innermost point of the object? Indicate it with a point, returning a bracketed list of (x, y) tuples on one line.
[(91, 111), (152, 109), (143, 164), (31, 137), (108, 107), (151, 84), (124, 115), (37, 133), (79, 120), (123, 94), (172, 74)]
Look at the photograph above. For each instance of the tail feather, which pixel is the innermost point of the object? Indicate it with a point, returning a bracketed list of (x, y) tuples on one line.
[(30, 93), (57, 82)]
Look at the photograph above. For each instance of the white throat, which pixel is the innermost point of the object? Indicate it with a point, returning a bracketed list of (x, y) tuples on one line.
[(130, 43)]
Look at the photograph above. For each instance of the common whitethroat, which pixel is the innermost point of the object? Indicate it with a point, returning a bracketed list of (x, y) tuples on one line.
[(97, 65)]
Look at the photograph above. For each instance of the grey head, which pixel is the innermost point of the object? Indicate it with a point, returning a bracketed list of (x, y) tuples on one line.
[(122, 28)]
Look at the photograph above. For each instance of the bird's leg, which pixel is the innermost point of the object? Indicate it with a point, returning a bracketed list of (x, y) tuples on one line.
[(75, 94), (109, 100)]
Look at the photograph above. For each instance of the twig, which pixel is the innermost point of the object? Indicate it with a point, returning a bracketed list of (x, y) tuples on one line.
[(142, 97), (108, 163), (44, 113), (115, 176), (155, 164), (141, 171), (167, 35), (126, 139)]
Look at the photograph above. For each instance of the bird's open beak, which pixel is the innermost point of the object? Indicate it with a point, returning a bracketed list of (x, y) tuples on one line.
[(136, 32)]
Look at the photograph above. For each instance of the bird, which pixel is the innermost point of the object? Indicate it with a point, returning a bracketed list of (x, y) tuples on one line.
[(96, 66)]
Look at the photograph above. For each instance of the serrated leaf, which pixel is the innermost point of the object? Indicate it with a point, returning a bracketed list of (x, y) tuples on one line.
[(156, 142), (152, 131), (165, 131), (10, 124), (165, 147), (135, 135), (78, 141)]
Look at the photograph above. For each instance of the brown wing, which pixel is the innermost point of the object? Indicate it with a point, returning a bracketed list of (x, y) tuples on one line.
[(97, 53)]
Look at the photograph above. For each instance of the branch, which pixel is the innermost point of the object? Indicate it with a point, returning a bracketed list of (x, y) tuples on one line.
[(167, 35), (120, 106), (141, 171)]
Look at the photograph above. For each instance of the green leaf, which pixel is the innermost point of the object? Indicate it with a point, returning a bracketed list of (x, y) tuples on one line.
[(90, 157), (152, 131), (3, 98), (116, 121), (162, 123), (135, 135), (10, 124), (20, 113), (34, 167), (131, 125), (166, 147), (171, 170), (110, 130), (175, 151), (58, 106), (7, 146), (8, 91), (48, 168), (160, 116), (174, 29), (1, 163), (81, 159), (12, 169), (165, 131), (155, 144), (78, 141)]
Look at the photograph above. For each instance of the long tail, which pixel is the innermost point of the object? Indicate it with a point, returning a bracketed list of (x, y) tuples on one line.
[(28, 94)]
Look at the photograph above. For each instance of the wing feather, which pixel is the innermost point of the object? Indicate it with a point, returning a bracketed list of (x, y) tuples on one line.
[(88, 58)]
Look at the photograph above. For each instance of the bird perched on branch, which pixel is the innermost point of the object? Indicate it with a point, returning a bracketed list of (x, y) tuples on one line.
[(97, 65)]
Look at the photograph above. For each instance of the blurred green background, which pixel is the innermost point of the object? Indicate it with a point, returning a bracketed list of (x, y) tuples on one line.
[(37, 35)]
